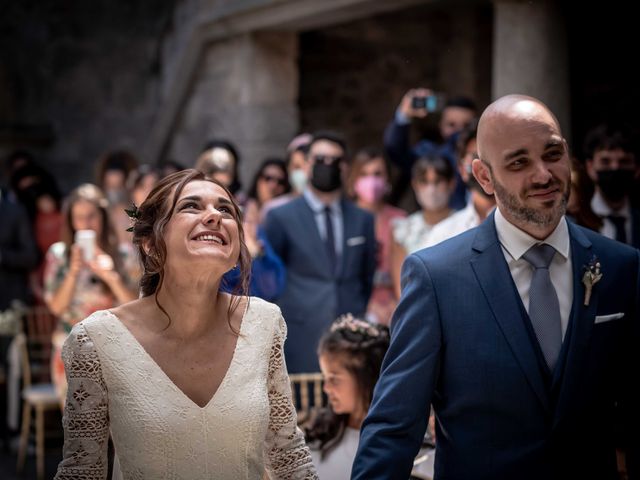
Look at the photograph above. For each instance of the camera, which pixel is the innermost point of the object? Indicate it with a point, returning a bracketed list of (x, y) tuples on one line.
[(431, 103)]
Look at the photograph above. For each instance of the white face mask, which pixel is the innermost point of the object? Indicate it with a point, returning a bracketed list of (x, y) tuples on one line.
[(432, 197), (298, 179)]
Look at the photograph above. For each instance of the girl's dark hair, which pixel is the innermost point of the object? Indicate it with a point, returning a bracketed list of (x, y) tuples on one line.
[(361, 346), (441, 165), (269, 162), (148, 234), (108, 240)]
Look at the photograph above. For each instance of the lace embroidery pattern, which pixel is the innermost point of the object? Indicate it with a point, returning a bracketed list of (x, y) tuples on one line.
[(289, 457), (86, 419), (158, 431)]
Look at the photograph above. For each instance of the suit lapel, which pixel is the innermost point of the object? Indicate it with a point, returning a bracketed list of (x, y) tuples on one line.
[(580, 324), (496, 283)]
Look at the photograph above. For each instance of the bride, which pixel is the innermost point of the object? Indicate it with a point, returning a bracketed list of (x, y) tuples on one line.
[(189, 381)]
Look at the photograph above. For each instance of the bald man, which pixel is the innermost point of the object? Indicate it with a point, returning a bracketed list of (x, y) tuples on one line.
[(521, 333)]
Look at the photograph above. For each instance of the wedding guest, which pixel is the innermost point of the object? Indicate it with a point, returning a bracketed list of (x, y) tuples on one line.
[(189, 381), (328, 247), (350, 355), (433, 181), (297, 171), (219, 159), (479, 204), (75, 287), (368, 185), (270, 181)]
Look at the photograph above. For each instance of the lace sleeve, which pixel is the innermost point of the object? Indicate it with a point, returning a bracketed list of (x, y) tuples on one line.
[(287, 455), (86, 418)]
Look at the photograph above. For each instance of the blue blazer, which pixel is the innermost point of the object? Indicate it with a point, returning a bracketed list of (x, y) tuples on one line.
[(462, 342), (314, 295)]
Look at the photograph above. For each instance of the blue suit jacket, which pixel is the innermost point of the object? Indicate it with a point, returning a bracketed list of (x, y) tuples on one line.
[(462, 342), (314, 295)]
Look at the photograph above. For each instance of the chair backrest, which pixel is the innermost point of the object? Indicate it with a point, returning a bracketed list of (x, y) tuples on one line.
[(39, 324), (307, 393), (25, 366)]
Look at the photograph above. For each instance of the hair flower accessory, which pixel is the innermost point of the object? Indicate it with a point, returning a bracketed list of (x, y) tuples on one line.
[(352, 324), (134, 214), (592, 275)]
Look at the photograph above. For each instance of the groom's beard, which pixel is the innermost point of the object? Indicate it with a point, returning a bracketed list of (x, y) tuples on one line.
[(540, 217)]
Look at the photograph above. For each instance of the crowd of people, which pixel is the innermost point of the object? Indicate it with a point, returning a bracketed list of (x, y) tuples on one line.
[(164, 280)]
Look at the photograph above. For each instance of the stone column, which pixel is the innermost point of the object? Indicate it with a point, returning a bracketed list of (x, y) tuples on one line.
[(245, 91), (530, 54)]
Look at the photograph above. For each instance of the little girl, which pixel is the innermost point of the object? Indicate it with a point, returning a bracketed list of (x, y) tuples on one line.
[(350, 355)]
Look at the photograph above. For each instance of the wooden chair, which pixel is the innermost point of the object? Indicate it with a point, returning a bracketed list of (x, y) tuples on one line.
[(35, 348), (306, 386), (39, 324)]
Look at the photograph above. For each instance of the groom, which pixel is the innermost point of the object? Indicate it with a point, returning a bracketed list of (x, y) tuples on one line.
[(528, 368)]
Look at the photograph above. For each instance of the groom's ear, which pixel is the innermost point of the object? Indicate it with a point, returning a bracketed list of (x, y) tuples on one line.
[(481, 171)]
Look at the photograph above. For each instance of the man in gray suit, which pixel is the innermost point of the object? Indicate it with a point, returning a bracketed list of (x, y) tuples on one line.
[(328, 247)]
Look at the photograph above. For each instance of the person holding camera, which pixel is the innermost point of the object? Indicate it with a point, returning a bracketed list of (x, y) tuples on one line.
[(87, 271), (455, 114)]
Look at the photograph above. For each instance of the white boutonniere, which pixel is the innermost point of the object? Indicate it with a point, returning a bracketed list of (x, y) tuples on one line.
[(592, 275)]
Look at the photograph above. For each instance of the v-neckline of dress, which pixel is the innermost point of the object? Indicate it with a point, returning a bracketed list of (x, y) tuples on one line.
[(225, 378)]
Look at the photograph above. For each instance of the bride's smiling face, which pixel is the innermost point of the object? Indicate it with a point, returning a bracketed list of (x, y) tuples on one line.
[(204, 229)]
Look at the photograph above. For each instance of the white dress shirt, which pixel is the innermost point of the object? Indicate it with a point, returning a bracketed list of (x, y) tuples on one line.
[(459, 222), (515, 244), (600, 208)]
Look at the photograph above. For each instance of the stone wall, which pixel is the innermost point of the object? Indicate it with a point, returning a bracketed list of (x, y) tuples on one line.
[(79, 78), (245, 92), (353, 75)]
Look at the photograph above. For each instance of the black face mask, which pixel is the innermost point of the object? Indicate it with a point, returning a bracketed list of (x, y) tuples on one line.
[(615, 184), (326, 178)]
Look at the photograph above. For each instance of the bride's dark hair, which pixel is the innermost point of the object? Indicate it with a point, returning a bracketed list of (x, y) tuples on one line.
[(360, 346), (150, 220)]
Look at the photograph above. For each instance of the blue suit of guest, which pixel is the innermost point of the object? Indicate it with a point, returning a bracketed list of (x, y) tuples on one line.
[(462, 340), (315, 294)]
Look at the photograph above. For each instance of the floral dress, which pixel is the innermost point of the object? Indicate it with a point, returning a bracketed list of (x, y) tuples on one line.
[(91, 294)]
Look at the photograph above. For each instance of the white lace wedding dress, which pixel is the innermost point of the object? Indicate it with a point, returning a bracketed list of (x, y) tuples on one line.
[(249, 425)]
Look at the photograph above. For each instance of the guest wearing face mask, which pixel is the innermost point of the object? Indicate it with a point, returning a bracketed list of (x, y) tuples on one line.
[(433, 181), (328, 247), (297, 170), (480, 203), (613, 167), (368, 185)]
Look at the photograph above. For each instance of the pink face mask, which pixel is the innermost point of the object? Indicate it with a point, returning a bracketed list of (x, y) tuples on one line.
[(370, 188)]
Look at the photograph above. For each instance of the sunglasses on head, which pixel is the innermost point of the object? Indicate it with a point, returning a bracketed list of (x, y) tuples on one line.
[(270, 178), (328, 159)]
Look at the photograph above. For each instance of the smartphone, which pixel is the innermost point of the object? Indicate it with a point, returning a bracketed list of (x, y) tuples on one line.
[(431, 103), (86, 239)]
